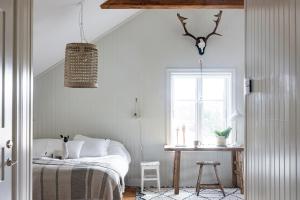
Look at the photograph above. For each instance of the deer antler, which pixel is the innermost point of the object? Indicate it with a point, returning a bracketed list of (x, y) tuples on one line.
[(217, 21), (182, 20), (201, 42)]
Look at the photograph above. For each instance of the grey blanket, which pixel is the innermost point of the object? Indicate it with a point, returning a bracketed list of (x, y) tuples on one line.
[(65, 180)]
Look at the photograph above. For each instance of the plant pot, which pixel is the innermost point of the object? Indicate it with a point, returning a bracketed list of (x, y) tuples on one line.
[(221, 141)]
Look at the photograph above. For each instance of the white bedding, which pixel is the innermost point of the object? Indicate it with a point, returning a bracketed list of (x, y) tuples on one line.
[(118, 157)]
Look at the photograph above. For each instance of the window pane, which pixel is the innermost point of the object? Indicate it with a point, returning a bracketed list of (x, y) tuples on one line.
[(213, 118), (213, 88), (184, 113), (184, 88)]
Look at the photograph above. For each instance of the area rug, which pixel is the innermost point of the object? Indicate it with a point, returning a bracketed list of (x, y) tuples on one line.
[(189, 194)]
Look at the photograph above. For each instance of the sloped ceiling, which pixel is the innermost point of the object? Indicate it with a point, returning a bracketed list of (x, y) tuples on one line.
[(56, 22)]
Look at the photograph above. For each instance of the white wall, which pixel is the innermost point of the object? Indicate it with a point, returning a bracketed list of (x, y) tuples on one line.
[(133, 63)]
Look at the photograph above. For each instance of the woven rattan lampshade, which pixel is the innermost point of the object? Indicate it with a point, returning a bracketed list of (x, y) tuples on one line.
[(81, 65)]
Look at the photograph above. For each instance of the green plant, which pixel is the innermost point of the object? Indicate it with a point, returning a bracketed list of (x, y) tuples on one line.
[(225, 133)]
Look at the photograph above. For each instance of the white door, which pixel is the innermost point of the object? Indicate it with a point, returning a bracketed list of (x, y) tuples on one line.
[(273, 108), (6, 67)]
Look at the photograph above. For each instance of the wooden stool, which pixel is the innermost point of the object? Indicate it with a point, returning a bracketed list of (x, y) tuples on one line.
[(208, 186), (150, 166)]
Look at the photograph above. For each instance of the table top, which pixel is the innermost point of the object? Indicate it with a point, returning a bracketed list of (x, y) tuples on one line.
[(204, 148)]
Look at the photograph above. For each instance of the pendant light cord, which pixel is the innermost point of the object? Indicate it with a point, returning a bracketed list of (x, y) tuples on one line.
[(201, 66), (201, 81), (201, 70), (81, 25)]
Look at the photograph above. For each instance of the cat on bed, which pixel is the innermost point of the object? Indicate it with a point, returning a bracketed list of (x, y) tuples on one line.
[(65, 149), (64, 154)]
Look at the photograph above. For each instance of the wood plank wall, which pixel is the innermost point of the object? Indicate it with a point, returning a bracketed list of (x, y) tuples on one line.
[(272, 60)]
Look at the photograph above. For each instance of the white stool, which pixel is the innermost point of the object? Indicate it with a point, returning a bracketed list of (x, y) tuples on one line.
[(150, 166)]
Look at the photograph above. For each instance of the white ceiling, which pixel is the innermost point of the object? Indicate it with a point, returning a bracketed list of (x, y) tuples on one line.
[(55, 23)]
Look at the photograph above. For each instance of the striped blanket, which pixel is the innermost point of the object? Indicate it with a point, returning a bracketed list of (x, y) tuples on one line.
[(73, 180)]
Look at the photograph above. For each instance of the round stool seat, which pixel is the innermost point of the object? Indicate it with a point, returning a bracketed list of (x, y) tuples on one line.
[(208, 163)]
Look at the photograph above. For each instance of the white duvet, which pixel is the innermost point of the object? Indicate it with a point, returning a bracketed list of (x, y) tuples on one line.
[(118, 157)]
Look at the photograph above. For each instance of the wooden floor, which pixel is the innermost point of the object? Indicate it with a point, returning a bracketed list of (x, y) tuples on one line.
[(130, 193)]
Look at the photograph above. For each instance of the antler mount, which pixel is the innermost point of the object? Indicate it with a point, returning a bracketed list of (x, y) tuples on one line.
[(201, 42)]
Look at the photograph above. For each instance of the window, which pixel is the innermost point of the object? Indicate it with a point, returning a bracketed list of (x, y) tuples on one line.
[(201, 104)]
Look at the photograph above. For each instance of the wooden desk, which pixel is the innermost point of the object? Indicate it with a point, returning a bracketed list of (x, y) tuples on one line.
[(237, 172)]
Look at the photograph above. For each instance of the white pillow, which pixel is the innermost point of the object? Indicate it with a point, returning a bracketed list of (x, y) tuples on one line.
[(93, 147), (74, 148)]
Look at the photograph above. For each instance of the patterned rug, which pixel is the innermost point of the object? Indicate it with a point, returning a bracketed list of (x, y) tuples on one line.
[(190, 194)]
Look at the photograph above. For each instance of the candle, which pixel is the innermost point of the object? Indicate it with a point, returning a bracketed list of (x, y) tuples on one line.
[(183, 134), (177, 131)]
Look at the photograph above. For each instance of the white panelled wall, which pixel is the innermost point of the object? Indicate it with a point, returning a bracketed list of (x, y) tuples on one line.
[(273, 164), (133, 62)]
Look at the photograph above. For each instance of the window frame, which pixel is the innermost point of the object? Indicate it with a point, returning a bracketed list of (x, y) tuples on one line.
[(193, 71)]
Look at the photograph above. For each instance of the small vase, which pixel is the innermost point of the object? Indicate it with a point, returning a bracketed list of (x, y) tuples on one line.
[(196, 143), (65, 151), (221, 141)]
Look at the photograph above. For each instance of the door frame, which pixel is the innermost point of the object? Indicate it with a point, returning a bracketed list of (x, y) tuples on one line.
[(22, 100)]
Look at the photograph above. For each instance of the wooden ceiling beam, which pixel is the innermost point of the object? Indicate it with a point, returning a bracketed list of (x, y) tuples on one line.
[(172, 4)]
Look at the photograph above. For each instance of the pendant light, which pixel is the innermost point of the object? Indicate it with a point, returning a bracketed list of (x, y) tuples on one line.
[(81, 61)]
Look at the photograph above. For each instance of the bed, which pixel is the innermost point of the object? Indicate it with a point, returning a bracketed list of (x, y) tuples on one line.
[(91, 178)]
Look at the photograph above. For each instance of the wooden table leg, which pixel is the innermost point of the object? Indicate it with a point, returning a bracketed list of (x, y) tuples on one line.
[(233, 162), (176, 172), (240, 171)]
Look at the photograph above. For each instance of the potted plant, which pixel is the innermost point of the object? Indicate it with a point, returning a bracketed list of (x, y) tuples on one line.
[(222, 136)]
